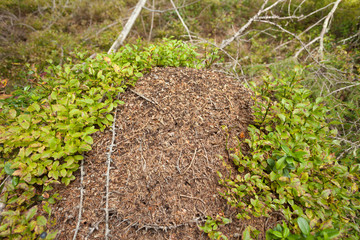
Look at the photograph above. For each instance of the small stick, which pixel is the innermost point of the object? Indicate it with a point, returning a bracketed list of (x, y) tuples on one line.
[(193, 198), (177, 166), (191, 162), (155, 103), (108, 177), (81, 198), (142, 96)]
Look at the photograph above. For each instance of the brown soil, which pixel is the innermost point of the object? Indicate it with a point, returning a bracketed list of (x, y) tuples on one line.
[(163, 176)]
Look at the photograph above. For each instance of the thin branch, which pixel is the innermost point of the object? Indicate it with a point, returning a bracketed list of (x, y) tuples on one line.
[(152, 21), (182, 21), (81, 199), (343, 88), (262, 10), (326, 28), (169, 9), (226, 42), (103, 29), (121, 38), (288, 32), (108, 176), (351, 37), (316, 11), (191, 163)]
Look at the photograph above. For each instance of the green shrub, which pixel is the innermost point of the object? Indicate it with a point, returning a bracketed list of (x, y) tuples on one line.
[(290, 166), (42, 139)]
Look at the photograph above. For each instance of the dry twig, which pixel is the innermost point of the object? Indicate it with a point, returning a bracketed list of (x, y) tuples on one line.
[(182, 21), (108, 176), (81, 199)]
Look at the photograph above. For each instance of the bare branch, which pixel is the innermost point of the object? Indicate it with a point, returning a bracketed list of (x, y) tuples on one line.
[(182, 21), (81, 199), (226, 42), (108, 163), (326, 28), (103, 29), (343, 88), (316, 11), (119, 41), (169, 9), (152, 21), (351, 37)]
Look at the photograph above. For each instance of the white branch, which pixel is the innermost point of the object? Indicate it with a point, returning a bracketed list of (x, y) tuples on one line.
[(119, 41), (316, 11), (226, 42), (108, 176), (169, 9), (81, 199), (349, 38), (343, 88), (326, 28), (182, 21), (152, 21)]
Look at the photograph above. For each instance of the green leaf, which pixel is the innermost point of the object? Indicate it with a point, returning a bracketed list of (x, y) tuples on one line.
[(281, 163), (41, 221), (304, 226), (63, 172), (270, 162), (52, 143), (85, 147), (287, 150), (89, 101), (110, 108), (74, 112), (12, 113), (246, 234), (24, 121), (282, 117), (15, 181), (110, 117), (88, 139), (8, 169), (31, 213), (277, 234)]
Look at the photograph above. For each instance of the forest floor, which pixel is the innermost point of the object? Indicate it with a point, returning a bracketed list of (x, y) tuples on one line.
[(163, 176)]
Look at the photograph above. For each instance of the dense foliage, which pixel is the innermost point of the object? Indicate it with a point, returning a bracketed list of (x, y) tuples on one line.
[(291, 167), (42, 143), (304, 143)]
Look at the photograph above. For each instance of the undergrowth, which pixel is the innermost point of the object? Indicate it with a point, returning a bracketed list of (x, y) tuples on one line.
[(291, 168), (44, 134)]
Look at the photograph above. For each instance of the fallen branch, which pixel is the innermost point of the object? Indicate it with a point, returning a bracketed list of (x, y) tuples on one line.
[(81, 198), (121, 38), (108, 176)]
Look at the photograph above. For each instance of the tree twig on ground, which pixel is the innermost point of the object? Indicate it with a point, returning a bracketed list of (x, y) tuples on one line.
[(82, 173), (108, 163)]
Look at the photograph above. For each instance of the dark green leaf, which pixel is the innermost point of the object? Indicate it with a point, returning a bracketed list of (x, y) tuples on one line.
[(304, 226)]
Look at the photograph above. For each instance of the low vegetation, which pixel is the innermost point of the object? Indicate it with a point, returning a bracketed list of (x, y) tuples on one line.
[(303, 158), (43, 140)]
